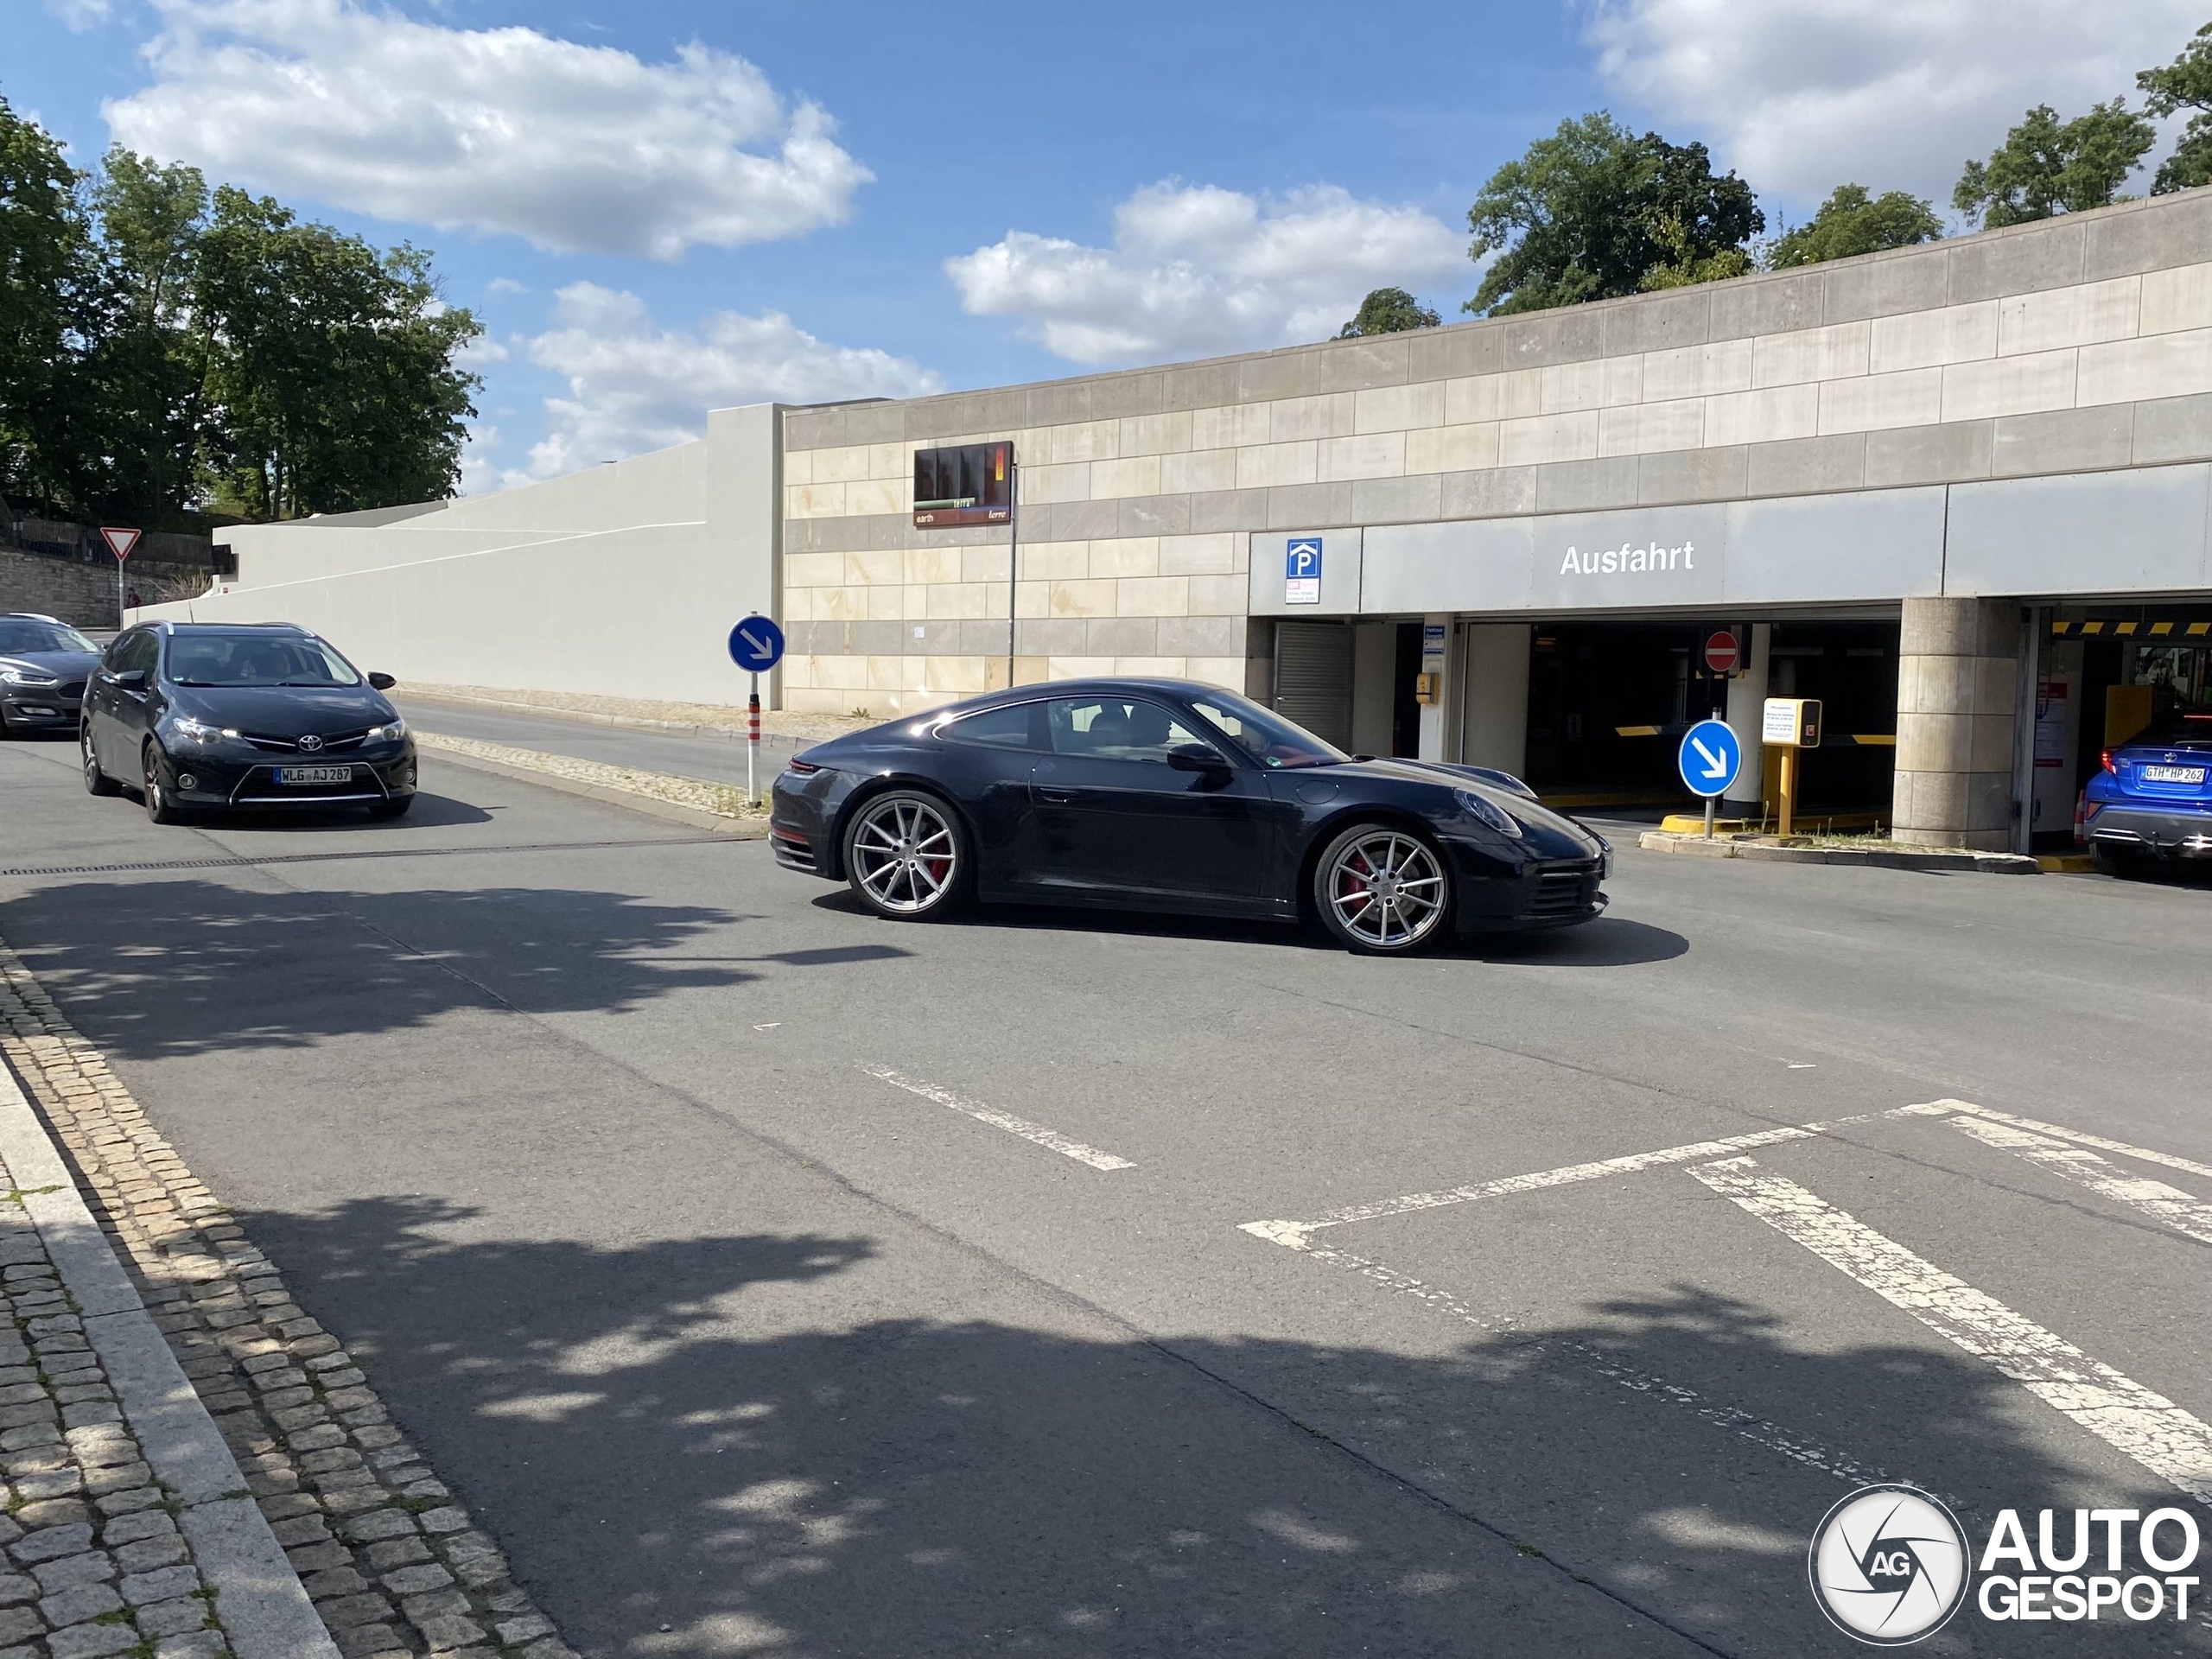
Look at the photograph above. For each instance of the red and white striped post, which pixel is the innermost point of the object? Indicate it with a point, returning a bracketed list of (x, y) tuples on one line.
[(753, 743)]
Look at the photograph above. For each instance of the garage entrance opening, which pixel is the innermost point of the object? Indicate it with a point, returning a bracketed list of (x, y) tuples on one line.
[(1608, 702), (2106, 673)]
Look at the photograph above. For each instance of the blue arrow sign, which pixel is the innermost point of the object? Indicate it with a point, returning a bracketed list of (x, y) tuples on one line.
[(756, 645), (1710, 759)]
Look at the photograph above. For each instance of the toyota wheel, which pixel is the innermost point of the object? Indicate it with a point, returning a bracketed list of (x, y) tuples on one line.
[(159, 807), (96, 781)]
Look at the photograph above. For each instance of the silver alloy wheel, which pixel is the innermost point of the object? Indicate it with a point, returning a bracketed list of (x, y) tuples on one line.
[(154, 803), (905, 854), (1387, 890), (92, 760)]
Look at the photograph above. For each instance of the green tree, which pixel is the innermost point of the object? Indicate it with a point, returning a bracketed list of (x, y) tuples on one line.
[(45, 272), (1586, 214), (1389, 311), (2046, 166), (335, 366), (1853, 221), (2185, 84)]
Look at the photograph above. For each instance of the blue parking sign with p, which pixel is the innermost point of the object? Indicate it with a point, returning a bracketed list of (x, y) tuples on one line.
[(1301, 570)]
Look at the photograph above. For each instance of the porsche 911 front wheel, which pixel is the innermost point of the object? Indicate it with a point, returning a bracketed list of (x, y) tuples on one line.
[(906, 856), (1382, 890)]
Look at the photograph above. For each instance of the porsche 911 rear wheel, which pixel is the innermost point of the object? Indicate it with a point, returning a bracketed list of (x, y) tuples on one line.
[(906, 856), (1382, 890)]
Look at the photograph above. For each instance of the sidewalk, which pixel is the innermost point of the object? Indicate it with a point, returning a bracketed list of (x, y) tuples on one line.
[(235, 1489)]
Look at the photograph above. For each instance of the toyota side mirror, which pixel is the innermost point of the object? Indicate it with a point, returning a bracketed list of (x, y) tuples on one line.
[(132, 679), (1195, 757), (382, 682)]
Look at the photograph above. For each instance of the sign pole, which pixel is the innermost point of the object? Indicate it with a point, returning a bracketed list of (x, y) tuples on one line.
[(752, 744), (1708, 817), (1013, 558)]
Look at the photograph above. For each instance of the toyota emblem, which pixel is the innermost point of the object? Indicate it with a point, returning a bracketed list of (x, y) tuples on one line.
[(310, 743)]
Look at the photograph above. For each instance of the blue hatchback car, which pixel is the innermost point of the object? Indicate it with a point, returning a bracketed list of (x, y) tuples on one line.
[(2152, 801)]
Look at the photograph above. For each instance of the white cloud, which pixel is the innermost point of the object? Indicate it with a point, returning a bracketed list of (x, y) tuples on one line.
[(81, 15), (634, 386), (1195, 269), (506, 285), (576, 148), (1802, 95)]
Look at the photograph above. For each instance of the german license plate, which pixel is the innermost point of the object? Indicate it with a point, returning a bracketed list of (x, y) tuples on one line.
[(314, 774), (2173, 774)]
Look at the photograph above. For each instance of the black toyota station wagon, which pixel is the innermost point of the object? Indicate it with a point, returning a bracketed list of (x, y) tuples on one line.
[(220, 716)]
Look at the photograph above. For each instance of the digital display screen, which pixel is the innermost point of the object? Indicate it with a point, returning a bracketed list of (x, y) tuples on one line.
[(965, 484)]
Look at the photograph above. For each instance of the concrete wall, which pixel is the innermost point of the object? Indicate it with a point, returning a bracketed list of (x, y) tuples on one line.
[(2080, 344), (82, 592), (623, 581)]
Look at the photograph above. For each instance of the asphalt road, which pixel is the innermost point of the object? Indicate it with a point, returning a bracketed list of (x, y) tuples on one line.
[(648, 1180)]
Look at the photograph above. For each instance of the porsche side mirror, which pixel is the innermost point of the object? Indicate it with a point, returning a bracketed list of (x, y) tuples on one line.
[(382, 682), (1195, 757)]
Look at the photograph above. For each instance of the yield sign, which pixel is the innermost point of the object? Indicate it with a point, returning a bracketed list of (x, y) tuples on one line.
[(119, 540)]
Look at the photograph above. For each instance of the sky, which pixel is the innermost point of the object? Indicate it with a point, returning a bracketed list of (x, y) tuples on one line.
[(661, 206)]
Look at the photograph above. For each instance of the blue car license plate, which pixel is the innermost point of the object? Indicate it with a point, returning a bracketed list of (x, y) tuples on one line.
[(2173, 774), (314, 774)]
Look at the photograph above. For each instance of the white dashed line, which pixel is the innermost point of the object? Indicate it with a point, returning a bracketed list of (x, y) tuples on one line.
[(2148, 1427), (1290, 1232), (998, 1120), (2168, 1204)]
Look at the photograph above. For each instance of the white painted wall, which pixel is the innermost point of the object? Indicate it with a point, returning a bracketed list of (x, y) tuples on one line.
[(621, 581)]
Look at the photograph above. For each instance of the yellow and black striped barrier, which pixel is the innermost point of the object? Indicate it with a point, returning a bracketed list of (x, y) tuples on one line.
[(2172, 628)]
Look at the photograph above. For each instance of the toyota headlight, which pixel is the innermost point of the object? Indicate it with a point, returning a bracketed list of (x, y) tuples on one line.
[(199, 731), (1487, 812), (390, 733), (17, 675)]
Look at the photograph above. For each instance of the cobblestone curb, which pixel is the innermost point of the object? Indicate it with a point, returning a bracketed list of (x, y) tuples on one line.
[(1662, 841), (691, 800), (393, 1563)]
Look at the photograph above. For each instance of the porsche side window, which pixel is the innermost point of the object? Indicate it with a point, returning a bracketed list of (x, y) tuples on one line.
[(1118, 728), (1019, 728)]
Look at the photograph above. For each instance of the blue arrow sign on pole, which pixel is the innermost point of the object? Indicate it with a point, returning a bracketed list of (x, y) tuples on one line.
[(1710, 759), (756, 645)]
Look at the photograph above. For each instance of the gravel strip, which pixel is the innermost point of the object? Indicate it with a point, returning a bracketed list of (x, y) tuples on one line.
[(723, 800), (393, 1560)]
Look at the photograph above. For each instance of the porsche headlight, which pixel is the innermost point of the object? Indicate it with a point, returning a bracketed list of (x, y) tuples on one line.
[(1487, 812)]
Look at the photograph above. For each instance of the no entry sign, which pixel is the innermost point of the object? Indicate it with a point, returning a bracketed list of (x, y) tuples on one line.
[(1720, 653)]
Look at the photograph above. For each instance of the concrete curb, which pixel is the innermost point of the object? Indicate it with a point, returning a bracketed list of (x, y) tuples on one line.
[(1957, 863), (593, 717), (735, 829), (260, 1603)]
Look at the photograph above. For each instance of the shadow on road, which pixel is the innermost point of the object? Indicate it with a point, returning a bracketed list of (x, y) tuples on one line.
[(836, 1481), (185, 966), (1608, 941)]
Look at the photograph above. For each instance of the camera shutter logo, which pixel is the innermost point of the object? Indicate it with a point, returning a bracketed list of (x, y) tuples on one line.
[(1889, 1565)]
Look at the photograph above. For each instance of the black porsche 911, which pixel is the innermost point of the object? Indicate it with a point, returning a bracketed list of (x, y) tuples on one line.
[(1168, 795)]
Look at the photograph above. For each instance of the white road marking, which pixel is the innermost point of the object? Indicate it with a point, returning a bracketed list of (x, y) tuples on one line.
[(2075, 1135), (2169, 1205), (2148, 1427), (1733, 1419), (1288, 1232), (998, 1120)]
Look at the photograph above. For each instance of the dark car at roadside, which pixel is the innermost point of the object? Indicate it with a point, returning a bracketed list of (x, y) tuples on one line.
[(208, 717), (1169, 795), (44, 664)]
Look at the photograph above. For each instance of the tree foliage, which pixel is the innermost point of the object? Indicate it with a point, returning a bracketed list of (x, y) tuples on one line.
[(165, 349), (2185, 84), (2046, 166), (1389, 311), (1591, 212), (1853, 221)]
